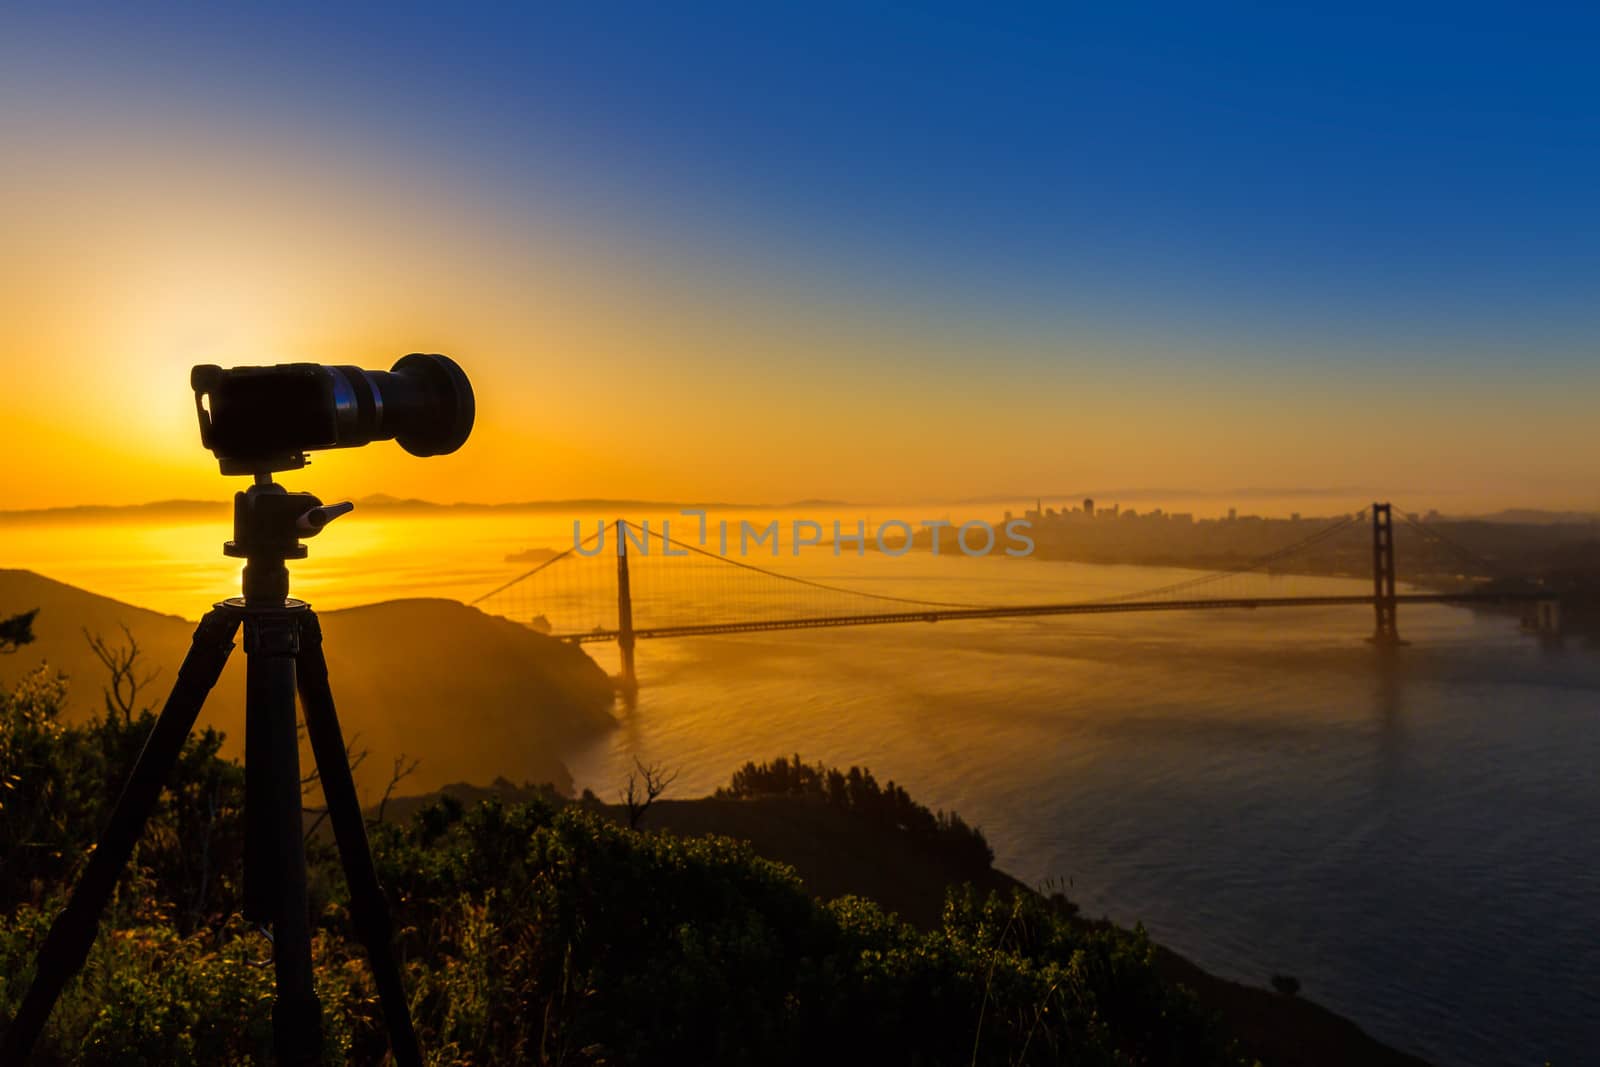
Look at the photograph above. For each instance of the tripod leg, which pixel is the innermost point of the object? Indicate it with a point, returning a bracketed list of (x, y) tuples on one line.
[(271, 641), (261, 870), (67, 945), (368, 909)]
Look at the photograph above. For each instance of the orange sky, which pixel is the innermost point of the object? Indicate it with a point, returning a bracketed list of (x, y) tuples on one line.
[(674, 364)]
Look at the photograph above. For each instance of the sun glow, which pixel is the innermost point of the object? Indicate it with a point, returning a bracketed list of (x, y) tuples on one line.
[(612, 363)]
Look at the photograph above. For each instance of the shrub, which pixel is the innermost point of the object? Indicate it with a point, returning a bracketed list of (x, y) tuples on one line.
[(856, 791), (543, 932)]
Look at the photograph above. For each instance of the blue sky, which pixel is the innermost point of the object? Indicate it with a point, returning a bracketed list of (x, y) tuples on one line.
[(1244, 191), (1429, 173)]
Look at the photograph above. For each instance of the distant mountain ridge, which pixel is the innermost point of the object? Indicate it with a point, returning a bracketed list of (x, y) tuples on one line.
[(155, 509), (1531, 517), (172, 509), (178, 509)]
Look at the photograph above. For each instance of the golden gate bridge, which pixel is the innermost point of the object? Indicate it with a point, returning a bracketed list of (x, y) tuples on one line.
[(588, 593)]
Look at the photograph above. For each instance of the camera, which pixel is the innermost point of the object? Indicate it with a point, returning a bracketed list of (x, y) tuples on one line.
[(257, 420)]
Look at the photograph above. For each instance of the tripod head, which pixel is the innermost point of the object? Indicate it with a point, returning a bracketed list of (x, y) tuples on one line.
[(268, 522), (257, 420)]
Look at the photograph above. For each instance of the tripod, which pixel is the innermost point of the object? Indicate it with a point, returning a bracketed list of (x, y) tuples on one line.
[(283, 643)]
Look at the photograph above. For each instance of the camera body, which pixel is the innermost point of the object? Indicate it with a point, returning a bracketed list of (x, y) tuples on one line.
[(257, 420)]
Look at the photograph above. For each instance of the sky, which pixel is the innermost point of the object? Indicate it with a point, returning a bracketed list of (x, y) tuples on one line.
[(774, 252)]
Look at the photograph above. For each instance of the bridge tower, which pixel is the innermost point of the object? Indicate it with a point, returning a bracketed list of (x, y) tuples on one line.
[(1383, 594), (625, 638)]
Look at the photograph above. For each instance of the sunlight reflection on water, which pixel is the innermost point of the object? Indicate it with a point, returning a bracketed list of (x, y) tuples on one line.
[(1414, 837)]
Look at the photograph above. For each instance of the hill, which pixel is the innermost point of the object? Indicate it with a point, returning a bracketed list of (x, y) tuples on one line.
[(393, 665), (837, 854)]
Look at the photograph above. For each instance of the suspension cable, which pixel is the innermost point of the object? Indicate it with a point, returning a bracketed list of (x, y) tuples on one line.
[(805, 581), (529, 574)]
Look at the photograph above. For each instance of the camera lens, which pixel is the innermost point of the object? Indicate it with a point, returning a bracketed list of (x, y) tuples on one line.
[(263, 419), (425, 403)]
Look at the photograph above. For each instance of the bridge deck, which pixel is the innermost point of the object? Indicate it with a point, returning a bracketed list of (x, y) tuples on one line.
[(1027, 610)]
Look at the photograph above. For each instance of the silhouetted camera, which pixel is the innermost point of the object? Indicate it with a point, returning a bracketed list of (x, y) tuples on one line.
[(263, 419)]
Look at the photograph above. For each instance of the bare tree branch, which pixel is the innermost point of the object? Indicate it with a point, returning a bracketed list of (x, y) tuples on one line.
[(122, 664), (352, 756), (644, 785), (403, 768), (312, 779)]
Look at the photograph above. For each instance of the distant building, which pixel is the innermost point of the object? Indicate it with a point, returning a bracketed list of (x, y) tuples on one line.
[(1233, 514), (1088, 506)]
